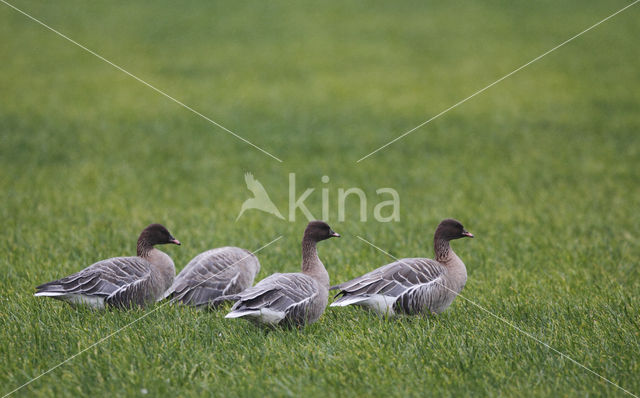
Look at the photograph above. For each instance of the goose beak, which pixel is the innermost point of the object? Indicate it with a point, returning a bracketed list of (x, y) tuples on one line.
[(334, 234), (175, 241), (467, 234)]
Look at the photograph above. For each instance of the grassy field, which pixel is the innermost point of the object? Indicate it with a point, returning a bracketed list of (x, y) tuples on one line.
[(544, 168)]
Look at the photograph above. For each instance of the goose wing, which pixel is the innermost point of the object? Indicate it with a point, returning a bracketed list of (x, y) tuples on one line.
[(136, 293), (286, 295), (393, 279), (100, 279), (215, 273), (432, 297)]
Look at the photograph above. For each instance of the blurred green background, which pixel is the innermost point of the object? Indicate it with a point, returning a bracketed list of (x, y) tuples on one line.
[(542, 168)]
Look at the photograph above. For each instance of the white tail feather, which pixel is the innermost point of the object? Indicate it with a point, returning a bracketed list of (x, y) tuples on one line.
[(50, 294), (263, 315), (377, 302), (75, 299)]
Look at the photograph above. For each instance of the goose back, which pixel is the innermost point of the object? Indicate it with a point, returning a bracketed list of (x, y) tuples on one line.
[(214, 273)]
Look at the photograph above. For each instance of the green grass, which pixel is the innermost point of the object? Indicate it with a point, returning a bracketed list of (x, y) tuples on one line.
[(543, 168)]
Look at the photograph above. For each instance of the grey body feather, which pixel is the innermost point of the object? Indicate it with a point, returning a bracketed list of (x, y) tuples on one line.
[(295, 297), (212, 274)]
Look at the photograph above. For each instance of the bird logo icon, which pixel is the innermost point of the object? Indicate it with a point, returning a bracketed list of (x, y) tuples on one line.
[(260, 200)]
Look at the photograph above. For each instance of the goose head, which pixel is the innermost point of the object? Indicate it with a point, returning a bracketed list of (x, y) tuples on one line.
[(319, 230), (157, 234), (450, 229)]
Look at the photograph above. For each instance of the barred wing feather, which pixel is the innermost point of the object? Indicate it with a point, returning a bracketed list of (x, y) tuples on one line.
[(214, 273)]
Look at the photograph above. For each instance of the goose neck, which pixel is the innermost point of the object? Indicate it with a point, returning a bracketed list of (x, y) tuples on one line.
[(309, 255), (311, 264), (144, 247), (442, 249)]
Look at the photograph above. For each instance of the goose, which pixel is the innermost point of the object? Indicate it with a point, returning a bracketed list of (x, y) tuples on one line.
[(212, 274), (292, 299), (120, 281), (411, 285)]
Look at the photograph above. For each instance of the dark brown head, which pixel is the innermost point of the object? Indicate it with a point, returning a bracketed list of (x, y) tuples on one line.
[(450, 229), (319, 230), (156, 234)]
